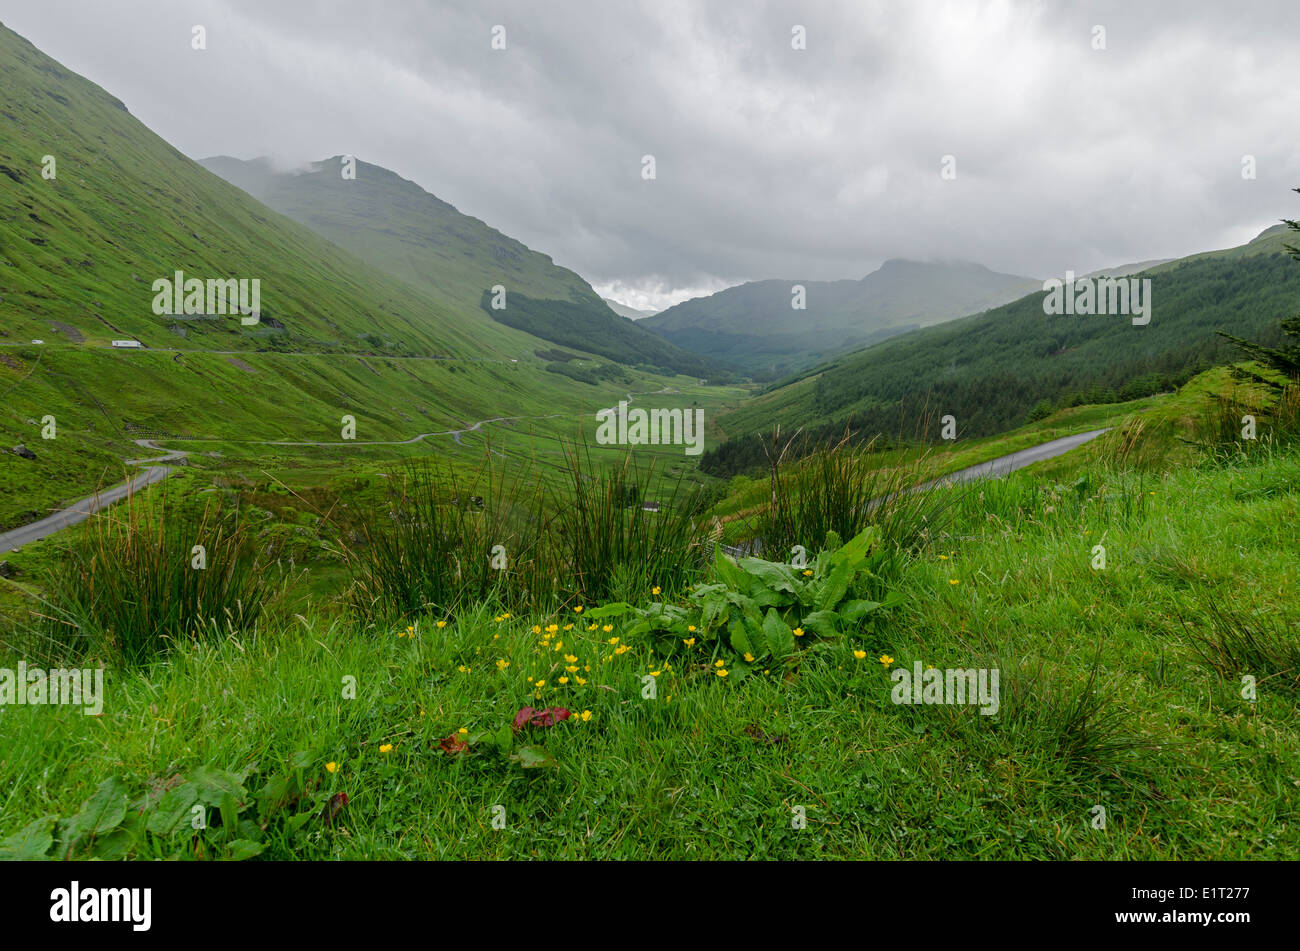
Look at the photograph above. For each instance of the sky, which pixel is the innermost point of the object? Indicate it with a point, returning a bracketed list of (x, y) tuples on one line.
[(791, 140)]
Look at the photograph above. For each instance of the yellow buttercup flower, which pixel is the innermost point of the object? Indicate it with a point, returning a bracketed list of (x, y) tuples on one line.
[(612, 640), (442, 623), (580, 681), (807, 572), (585, 716), (552, 628), (859, 654), (571, 658), (568, 627), (462, 730), (331, 767), (655, 589), (578, 609), (502, 664), (607, 628), (749, 658), (720, 673), (886, 659), (689, 641), (622, 649), (540, 683), (572, 668), (463, 669), (386, 748), (564, 680), (655, 673), (954, 581), (798, 632), (720, 663), (537, 629)]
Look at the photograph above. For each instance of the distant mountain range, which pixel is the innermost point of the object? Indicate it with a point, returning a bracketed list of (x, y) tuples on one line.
[(990, 370), (398, 227), (631, 313), (756, 327)]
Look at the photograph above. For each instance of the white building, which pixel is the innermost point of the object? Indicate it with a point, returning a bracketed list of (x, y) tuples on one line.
[(128, 344)]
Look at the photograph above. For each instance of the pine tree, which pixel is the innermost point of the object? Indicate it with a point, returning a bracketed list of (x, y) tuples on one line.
[(1285, 359)]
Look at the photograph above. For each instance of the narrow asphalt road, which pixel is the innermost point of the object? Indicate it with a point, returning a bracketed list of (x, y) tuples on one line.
[(154, 472), (80, 511), (992, 469)]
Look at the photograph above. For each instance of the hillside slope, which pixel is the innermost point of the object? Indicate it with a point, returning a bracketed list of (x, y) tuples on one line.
[(989, 370), (754, 325), (398, 227), (79, 252)]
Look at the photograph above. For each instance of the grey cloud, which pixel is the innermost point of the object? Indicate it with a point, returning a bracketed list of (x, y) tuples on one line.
[(771, 162)]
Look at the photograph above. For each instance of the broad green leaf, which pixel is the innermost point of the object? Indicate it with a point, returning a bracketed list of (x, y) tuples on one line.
[(229, 815), (116, 845), (616, 609), (533, 757), (174, 809), (713, 607), (29, 843), (775, 576), (301, 760), (727, 571), (836, 584), (213, 783), (779, 637), (740, 641), (855, 550), (765, 597), (101, 813), (853, 611), (242, 849), (824, 623)]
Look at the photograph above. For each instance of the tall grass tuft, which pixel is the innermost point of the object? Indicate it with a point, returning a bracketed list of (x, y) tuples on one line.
[(843, 488), (130, 581), (611, 546), (433, 548), (1234, 643)]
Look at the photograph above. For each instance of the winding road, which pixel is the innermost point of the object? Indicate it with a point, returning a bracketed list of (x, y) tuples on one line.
[(155, 472), (992, 469)]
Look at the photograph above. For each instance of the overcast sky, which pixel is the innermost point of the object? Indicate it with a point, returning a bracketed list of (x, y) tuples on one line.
[(770, 161)]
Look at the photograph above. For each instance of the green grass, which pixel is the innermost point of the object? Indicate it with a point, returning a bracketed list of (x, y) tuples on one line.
[(1108, 698)]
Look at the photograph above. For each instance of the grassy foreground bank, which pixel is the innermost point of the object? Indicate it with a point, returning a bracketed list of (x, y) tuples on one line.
[(1121, 688)]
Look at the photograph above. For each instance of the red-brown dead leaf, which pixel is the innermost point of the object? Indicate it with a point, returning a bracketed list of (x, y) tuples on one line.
[(530, 716), (335, 806), (454, 743)]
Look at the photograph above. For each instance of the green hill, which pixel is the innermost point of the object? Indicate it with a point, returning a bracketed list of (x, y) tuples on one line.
[(755, 326), (79, 253), (990, 370), (400, 228)]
